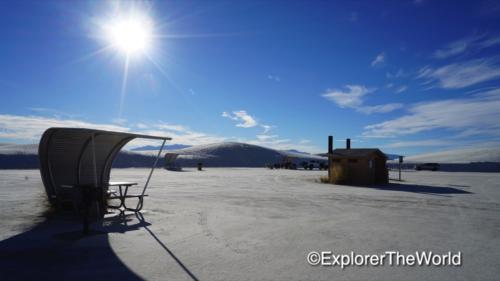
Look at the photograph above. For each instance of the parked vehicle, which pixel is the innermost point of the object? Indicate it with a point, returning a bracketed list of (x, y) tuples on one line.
[(427, 166)]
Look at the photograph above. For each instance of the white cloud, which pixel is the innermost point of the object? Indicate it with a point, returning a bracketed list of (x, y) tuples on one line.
[(266, 137), (478, 115), (353, 17), (275, 142), (141, 126), (453, 49), (53, 112), (187, 137), (397, 74), (119, 121), (245, 120), (379, 59), (467, 44), (32, 127), (384, 108), (419, 143), (266, 128), (490, 42), (170, 127), (274, 78), (353, 98), (401, 89), (227, 115), (461, 75)]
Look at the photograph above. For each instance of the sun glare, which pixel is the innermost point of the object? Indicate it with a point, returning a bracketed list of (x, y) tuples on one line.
[(129, 32), (130, 35)]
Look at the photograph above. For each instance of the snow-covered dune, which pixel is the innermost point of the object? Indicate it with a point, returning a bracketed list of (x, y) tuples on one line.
[(234, 154)]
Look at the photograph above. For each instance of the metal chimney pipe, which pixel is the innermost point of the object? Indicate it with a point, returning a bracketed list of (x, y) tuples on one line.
[(330, 144), (330, 154), (348, 143)]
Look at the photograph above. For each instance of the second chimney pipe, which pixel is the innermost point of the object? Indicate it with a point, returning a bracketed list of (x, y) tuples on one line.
[(330, 144), (348, 143)]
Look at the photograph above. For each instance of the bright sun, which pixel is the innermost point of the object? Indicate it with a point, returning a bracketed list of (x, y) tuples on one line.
[(130, 35)]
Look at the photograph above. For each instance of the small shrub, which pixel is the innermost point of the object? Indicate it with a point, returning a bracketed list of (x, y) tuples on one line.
[(324, 179)]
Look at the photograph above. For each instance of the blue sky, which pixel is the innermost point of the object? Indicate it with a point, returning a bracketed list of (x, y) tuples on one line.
[(406, 76)]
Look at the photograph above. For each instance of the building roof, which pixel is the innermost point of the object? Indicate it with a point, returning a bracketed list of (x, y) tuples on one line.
[(357, 152)]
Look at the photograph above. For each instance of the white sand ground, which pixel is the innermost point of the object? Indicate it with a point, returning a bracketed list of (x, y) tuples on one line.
[(257, 224)]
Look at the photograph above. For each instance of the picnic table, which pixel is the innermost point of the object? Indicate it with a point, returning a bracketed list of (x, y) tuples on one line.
[(88, 194), (122, 194)]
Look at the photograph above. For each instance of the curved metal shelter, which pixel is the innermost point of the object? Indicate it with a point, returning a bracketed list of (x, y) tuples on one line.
[(78, 156)]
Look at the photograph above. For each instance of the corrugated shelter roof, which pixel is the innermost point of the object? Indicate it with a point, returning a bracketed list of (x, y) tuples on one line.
[(357, 152), (70, 156)]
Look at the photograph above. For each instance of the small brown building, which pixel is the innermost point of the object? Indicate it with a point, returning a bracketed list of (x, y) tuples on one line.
[(358, 166)]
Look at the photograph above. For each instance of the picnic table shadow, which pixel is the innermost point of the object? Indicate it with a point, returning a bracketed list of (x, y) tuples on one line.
[(56, 249)]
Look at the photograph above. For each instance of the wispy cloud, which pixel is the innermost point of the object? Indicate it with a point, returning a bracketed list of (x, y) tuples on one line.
[(141, 126), (274, 78), (53, 112), (378, 60), (274, 141), (245, 120), (466, 45), (383, 108), (119, 121), (353, 96), (462, 74), (30, 128), (353, 17), (419, 143), (266, 128), (477, 115), (397, 74), (187, 137), (401, 89), (265, 138), (170, 127)]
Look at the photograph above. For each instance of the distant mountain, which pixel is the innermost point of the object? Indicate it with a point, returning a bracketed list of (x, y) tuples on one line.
[(12, 148), (167, 147), (295, 151), (389, 156), (226, 154), (392, 156), (464, 155), (233, 154)]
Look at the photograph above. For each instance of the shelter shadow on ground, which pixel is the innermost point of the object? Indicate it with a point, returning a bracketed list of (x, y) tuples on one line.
[(416, 188), (57, 250)]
